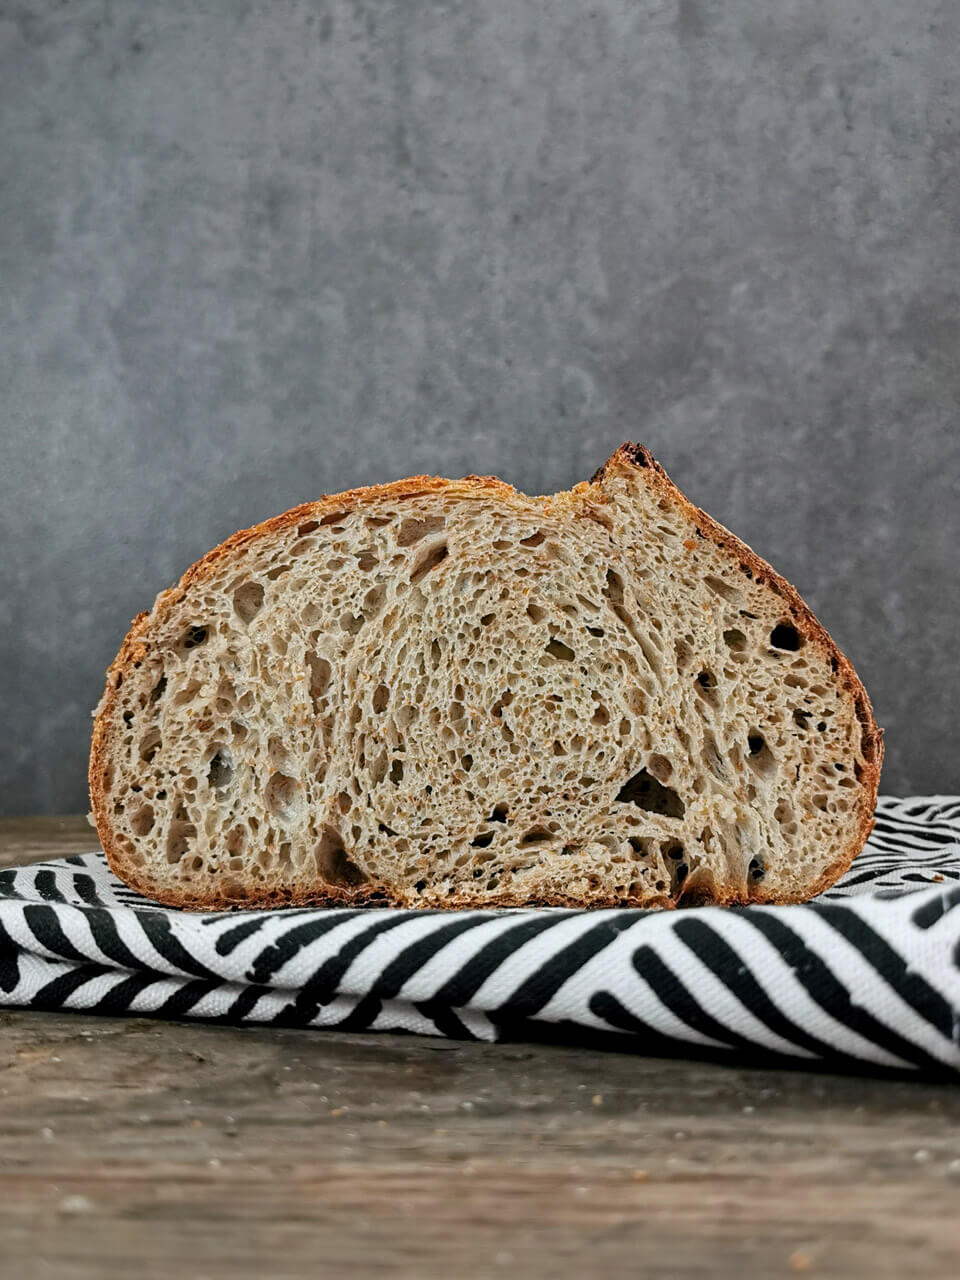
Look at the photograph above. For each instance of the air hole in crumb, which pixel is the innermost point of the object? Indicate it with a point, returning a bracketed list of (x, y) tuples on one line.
[(483, 840), (707, 680), (319, 669), (158, 689), (150, 745), (141, 822), (396, 772), (429, 561), (536, 835), (783, 813), (646, 792), (220, 773), (194, 637), (333, 864), (367, 560), (487, 619), (412, 530), (534, 539), (378, 770), (179, 836), (351, 622), (660, 767), (535, 612), (802, 718), (785, 636), (280, 795), (128, 718), (248, 601), (756, 870), (735, 639), (310, 527), (722, 589), (335, 517), (503, 701), (277, 572), (600, 716), (557, 649), (381, 696), (236, 839), (499, 813), (614, 587), (761, 759)]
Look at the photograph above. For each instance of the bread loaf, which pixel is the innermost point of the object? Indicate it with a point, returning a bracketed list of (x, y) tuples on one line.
[(449, 694)]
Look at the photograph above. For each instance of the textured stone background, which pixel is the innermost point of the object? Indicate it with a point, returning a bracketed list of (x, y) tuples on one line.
[(250, 252)]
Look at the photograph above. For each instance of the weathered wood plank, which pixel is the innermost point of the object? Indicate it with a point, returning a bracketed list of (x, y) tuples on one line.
[(24, 840), (157, 1150)]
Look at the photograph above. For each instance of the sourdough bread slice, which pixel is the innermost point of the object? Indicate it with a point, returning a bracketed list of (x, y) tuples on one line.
[(449, 694)]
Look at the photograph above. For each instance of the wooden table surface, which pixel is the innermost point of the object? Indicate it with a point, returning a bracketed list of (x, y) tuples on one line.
[(135, 1148)]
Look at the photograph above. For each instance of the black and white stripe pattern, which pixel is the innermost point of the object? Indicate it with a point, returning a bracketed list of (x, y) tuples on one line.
[(867, 974)]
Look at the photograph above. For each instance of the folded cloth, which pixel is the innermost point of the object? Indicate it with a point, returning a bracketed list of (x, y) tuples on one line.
[(866, 975)]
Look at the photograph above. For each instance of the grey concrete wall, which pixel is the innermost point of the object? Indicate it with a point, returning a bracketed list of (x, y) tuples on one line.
[(250, 252)]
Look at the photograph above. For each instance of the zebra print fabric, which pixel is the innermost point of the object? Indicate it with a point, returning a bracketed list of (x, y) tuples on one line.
[(867, 974)]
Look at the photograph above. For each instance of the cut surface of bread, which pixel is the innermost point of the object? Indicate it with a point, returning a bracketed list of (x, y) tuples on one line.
[(449, 694)]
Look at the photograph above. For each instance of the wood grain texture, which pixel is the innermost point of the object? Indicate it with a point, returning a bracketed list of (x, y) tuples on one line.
[(24, 840), (139, 1148)]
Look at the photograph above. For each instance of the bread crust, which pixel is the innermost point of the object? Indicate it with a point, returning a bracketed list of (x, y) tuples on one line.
[(628, 458)]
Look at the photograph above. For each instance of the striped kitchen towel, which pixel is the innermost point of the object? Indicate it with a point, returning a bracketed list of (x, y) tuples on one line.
[(868, 975)]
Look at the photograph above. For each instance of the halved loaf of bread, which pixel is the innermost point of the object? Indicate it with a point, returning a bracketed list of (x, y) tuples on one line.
[(449, 694)]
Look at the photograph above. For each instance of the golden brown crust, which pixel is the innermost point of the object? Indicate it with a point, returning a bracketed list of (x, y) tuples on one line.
[(629, 458)]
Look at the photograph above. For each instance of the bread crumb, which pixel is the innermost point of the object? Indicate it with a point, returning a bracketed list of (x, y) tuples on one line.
[(552, 766), (75, 1205)]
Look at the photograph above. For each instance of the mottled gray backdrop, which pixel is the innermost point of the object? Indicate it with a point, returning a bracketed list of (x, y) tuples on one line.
[(250, 252)]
